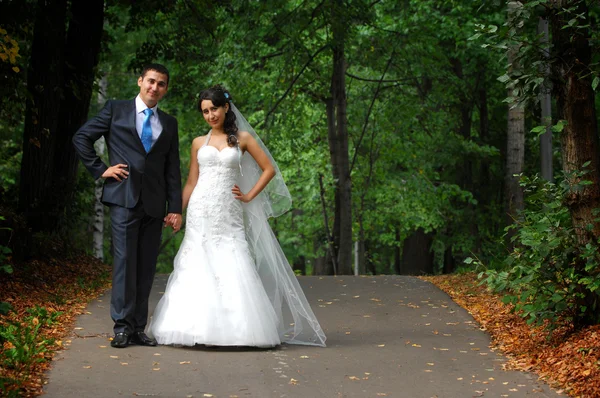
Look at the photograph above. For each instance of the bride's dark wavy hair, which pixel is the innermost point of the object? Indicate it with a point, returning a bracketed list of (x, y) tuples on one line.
[(219, 97)]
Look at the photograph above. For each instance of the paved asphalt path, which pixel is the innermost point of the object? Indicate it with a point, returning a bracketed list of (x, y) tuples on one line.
[(387, 336)]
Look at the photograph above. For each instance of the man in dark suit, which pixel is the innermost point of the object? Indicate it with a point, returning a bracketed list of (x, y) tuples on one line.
[(141, 185)]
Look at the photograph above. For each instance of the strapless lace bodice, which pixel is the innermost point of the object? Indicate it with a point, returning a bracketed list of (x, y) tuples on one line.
[(219, 167), (212, 200)]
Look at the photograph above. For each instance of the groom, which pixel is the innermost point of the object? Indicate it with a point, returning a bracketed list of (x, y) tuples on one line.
[(142, 182)]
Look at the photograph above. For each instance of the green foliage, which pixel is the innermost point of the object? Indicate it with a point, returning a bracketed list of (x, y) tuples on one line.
[(10, 166), (527, 74), (15, 33), (5, 267), (5, 308), (5, 253), (45, 317), (413, 78), (410, 151), (22, 341), (546, 277)]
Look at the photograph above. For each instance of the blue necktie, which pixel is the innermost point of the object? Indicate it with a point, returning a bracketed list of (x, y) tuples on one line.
[(147, 130)]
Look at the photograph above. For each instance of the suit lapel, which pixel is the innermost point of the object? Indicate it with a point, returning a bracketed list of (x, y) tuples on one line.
[(164, 123), (131, 123)]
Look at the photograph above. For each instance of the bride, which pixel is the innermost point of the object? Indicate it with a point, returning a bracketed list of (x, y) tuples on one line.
[(231, 284)]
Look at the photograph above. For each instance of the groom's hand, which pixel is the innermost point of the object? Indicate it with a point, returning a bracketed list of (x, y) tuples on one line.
[(118, 172)]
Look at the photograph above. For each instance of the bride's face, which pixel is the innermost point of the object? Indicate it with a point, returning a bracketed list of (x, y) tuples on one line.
[(214, 115)]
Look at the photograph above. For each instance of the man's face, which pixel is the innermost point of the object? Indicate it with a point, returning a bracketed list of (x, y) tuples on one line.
[(153, 86)]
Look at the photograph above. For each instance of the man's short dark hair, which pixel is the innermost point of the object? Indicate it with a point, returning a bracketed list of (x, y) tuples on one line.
[(155, 67)]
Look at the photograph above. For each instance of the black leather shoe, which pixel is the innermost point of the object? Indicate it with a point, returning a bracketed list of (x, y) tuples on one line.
[(121, 340), (140, 338)]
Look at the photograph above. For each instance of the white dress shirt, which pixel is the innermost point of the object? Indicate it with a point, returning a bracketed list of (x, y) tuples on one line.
[(140, 116)]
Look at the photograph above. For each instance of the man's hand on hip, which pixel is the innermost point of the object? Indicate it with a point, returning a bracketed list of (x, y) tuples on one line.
[(118, 172)]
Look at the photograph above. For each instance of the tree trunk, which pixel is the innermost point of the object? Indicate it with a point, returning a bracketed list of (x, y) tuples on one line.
[(338, 93), (579, 139), (331, 256), (59, 80), (484, 191), (515, 158), (546, 109), (334, 149), (361, 260), (300, 265), (356, 261), (370, 264), (466, 104), (397, 254), (322, 265), (515, 150), (81, 58), (44, 83), (484, 127), (449, 261), (417, 258)]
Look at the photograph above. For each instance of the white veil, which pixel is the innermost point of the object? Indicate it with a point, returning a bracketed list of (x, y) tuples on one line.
[(297, 322)]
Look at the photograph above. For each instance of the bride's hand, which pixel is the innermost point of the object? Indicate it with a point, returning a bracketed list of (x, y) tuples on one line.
[(239, 195)]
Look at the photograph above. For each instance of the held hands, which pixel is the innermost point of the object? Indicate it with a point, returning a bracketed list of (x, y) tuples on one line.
[(237, 194), (118, 172), (174, 221)]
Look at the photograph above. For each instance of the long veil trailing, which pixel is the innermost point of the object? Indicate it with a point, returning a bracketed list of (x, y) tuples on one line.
[(297, 322)]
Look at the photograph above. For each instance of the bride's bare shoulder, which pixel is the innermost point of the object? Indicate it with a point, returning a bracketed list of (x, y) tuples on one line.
[(198, 141), (244, 136)]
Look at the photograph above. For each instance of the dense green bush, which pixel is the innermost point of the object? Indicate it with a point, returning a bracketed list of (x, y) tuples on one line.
[(547, 279)]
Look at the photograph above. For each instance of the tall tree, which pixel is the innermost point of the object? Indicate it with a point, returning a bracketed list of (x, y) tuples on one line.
[(82, 51), (546, 153), (515, 142), (576, 104), (338, 141), (60, 78), (44, 83)]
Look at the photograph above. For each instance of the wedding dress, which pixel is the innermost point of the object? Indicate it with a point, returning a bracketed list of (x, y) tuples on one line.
[(216, 294)]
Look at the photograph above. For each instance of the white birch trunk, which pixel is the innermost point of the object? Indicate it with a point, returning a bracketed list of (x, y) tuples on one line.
[(515, 145), (356, 259), (98, 234)]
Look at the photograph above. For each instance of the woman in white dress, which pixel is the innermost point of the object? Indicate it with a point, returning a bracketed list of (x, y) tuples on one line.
[(231, 284)]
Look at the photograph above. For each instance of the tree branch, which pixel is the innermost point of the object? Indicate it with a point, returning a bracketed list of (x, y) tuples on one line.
[(295, 80), (288, 17), (377, 90), (330, 242), (378, 80), (198, 16)]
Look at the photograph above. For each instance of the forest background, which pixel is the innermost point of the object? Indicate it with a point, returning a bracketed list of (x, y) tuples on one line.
[(416, 137)]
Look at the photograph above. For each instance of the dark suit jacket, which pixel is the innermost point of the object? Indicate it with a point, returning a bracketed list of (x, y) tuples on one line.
[(154, 177)]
